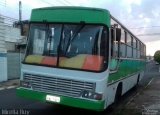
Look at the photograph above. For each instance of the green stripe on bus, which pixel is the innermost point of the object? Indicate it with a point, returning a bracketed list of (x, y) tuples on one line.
[(126, 68), (69, 101)]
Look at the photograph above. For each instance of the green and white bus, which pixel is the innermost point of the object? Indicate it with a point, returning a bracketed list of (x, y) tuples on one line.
[(80, 57)]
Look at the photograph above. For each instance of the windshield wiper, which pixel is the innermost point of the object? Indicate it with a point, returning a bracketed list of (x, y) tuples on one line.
[(74, 36), (59, 45)]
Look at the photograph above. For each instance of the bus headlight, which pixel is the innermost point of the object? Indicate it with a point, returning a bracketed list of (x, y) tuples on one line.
[(25, 84), (91, 95)]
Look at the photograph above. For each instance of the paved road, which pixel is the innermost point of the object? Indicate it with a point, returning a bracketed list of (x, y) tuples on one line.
[(9, 101)]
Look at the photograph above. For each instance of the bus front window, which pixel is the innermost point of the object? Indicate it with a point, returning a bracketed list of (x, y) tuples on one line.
[(81, 47)]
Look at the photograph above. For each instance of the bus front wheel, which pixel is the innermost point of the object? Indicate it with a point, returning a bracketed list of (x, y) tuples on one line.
[(138, 80), (118, 93)]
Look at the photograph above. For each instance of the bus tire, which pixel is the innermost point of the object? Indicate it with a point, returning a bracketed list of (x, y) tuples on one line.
[(118, 93), (138, 79)]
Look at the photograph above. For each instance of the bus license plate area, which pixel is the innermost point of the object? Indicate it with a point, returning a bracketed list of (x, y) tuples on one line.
[(52, 98)]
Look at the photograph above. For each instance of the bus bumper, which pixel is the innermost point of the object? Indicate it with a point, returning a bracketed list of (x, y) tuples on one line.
[(69, 101)]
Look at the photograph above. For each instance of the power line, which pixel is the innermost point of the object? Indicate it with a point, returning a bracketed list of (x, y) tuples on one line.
[(47, 2), (8, 21), (5, 2), (68, 2), (146, 27), (9, 18), (1, 4), (152, 34), (62, 3), (65, 2)]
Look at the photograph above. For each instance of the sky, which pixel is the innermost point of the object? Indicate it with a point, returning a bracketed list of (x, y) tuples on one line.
[(141, 17)]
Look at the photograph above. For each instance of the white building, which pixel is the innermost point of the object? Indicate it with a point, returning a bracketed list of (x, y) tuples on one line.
[(3, 52), (12, 36), (8, 38)]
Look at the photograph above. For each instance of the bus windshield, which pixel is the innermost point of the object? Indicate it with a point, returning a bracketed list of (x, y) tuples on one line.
[(72, 46)]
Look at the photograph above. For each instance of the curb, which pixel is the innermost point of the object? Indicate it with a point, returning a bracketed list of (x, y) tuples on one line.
[(9, 87)]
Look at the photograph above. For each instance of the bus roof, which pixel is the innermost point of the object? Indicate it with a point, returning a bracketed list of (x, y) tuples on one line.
[(71, 15)]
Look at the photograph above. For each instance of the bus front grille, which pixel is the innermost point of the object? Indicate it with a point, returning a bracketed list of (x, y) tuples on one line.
[(59, 86)]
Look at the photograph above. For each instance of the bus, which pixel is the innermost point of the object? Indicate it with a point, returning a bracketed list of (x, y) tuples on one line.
[(79, 57)]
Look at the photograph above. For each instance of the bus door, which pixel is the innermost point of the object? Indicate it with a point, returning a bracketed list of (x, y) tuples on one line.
[(115, 48)]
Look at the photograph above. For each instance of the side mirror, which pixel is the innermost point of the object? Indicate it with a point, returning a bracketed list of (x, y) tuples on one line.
[(118, 34)]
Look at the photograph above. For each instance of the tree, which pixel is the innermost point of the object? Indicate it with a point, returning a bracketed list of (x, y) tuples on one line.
[(157, 56)]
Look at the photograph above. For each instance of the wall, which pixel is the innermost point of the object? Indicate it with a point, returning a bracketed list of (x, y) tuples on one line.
[(10, 46), (13, 65)]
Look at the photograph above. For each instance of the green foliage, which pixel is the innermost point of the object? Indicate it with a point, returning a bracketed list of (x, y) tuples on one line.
[(157, 56)]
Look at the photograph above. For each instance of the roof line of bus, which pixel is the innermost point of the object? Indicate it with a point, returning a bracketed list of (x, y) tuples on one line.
[(72, 7), (125, 28)]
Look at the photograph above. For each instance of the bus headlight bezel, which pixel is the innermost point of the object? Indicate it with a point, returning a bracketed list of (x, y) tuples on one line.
[(91, 95)]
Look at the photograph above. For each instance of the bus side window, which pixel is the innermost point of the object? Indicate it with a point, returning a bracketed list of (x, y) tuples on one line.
[(114, 48), (112, 41), (114, 44)]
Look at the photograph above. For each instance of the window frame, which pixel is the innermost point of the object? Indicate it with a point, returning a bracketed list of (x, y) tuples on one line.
[(47, 23)]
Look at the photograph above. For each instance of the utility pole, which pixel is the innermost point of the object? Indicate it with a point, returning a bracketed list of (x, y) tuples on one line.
[(20, 17), (21, 29)]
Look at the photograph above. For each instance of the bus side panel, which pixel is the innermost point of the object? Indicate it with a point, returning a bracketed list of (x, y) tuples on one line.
[(131, 81), (111, 91), (127, 83), (127, 74)]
